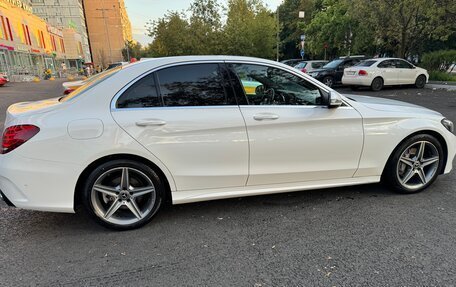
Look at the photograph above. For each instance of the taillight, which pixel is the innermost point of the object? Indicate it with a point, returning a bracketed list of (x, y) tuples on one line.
[(362, 73), (67, 91), (304, 70), (15, 136)]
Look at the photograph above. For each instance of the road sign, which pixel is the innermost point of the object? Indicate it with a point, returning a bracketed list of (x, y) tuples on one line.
[(303, 37), (302, 53)]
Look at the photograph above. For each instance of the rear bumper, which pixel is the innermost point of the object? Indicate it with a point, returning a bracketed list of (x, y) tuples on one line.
[(38, 184), (356, 81)]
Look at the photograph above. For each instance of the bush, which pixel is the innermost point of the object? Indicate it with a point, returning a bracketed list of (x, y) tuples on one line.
[(441, 76), (438, 60)]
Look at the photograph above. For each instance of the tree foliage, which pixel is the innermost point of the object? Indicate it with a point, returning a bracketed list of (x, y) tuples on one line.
[(404, 28), (250, 29)]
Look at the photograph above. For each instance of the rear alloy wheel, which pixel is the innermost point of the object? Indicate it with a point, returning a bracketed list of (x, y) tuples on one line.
[(415, 164), (420, 82), (123, 194), (328, 81), (377, 84)]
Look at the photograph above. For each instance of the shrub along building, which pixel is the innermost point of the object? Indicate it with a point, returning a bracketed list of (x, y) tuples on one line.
[(28, 45)]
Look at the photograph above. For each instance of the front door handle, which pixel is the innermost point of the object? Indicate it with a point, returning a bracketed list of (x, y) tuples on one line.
[(265, 116), (150, 122)]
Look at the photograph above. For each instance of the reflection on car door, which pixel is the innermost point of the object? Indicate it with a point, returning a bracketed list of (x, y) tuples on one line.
[(188, 117), (293, 137)]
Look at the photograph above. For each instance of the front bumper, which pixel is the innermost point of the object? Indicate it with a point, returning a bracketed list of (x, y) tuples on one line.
[(38, 184)]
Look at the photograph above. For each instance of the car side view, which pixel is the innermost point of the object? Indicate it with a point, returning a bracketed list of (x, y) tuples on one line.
[(380, 72), (197, 128)]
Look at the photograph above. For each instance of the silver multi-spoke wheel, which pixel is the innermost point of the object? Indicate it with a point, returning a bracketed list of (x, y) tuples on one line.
[(418, 164), (123, 196)]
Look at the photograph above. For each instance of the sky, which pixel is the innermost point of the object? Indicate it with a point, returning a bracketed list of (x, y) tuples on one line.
[(141, 11)]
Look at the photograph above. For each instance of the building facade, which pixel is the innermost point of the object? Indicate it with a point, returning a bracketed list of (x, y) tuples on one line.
[(109, 30), (64, 14), (28, 45)]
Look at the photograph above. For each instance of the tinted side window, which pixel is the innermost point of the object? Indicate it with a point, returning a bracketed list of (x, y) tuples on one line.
[(403, 64), (386, 64), (318, 65), (193, 85), (265, 85), (142, 94)]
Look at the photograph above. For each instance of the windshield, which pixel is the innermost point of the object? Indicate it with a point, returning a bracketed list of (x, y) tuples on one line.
[(333, 64), (92, 82)]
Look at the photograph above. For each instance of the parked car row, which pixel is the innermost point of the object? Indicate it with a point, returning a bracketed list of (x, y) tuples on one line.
[(359, 71)]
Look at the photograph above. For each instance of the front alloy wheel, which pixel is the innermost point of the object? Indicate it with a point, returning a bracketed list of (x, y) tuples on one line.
[(123, 194), (328, 81), (415, 164)]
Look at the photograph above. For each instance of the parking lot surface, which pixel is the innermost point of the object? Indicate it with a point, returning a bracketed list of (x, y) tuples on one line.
[(351, 236)]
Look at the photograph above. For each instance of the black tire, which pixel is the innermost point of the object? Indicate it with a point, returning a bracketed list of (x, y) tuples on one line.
[(420, 81), (354, 88), (158, 185), (390, 174), (328, 81), (377, 84)]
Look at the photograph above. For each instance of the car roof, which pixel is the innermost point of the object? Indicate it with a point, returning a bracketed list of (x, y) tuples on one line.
[(156, 62)]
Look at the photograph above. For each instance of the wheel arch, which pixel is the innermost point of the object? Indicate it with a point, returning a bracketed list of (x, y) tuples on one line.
[(383, 80), (80, 182), (433, 133)]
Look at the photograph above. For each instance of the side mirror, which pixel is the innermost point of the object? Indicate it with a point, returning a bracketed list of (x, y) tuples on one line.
[(334, 100)]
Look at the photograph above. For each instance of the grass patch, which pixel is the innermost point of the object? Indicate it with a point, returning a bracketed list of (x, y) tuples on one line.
[(441, 76)]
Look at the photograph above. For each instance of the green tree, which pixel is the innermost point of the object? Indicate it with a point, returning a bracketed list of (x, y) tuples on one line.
[(334, 24), (402, 27), (171, 36), (250, 29), (135, 50), (291, 26), (205, 27)]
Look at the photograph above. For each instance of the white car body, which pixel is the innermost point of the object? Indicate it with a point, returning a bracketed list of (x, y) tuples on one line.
[(310, 66), (391, 74), (207, 153)]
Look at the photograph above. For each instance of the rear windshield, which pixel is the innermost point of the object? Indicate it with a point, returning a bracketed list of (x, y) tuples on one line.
[(333, 64), (92, 82), (301, 65), (367, 63)]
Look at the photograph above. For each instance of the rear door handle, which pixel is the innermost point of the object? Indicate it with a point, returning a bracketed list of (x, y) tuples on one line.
[(150, 122), (265, 116)]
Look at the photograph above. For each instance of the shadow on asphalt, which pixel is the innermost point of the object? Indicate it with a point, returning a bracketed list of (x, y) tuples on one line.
[(70, 224)]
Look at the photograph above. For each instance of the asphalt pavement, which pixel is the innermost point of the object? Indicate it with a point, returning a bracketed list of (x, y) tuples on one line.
[(351, 236)]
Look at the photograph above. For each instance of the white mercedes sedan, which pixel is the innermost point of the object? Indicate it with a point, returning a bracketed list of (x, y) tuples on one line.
[(189, 129), (377, 73)]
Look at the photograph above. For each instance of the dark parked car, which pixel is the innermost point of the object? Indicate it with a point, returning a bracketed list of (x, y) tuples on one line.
[(331, 73)]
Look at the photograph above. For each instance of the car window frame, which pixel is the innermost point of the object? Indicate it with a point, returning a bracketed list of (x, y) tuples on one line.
[(324, 93), (116, 97), (160, 98)]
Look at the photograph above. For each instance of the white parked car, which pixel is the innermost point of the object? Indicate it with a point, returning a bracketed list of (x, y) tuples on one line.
[(187, 130), (309, 66), (377, 73)]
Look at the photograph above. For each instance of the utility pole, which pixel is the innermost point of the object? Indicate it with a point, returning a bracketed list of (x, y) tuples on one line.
[(103, 10), (278, 31), (128, 50)]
